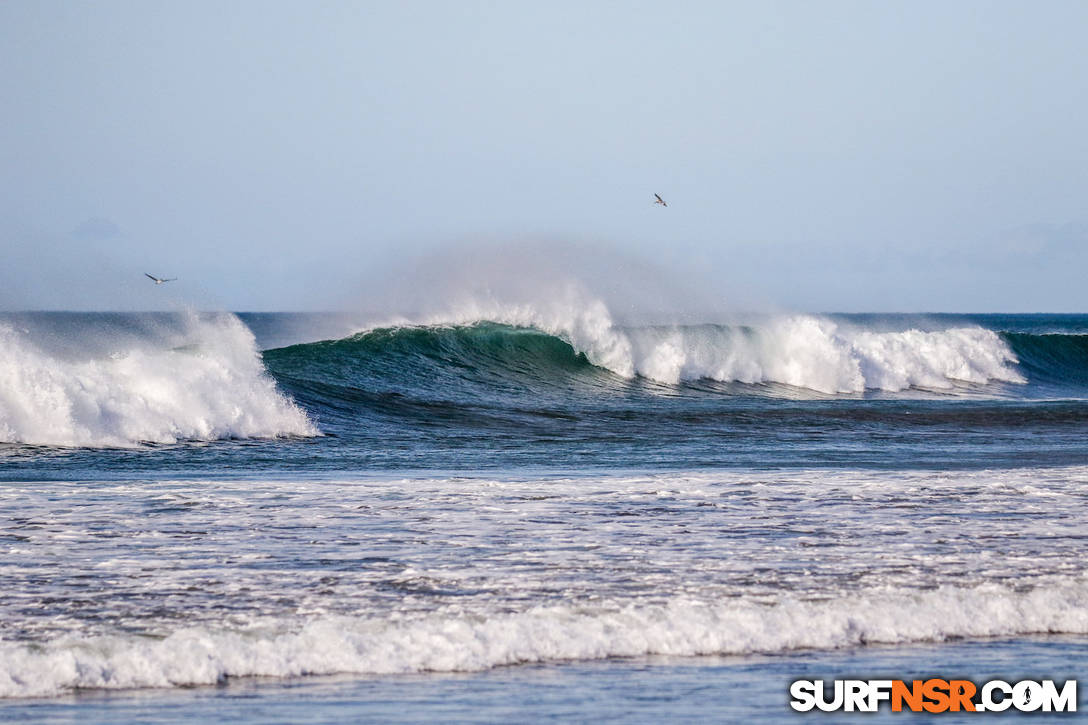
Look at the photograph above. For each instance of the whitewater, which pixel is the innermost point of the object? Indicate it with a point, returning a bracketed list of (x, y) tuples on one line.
[(533, 486), (375, 576), (196, 378), (804, 351), (200, 377)]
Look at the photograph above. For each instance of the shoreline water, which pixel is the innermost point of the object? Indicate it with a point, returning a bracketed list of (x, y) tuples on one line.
[(641, 689), (156, 582)]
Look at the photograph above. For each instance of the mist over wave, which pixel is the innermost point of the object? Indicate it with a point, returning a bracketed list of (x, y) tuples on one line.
[(127, 381)]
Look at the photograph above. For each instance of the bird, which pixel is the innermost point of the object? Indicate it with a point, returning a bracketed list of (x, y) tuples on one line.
[(159, 281), (660, 200)]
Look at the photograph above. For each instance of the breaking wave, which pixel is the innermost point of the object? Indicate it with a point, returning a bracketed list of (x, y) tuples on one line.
[(201, 377), (197, 378), (461, 642), (809, 352)]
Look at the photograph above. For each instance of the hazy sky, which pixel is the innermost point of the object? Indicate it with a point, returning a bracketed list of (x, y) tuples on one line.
[(824, 156)]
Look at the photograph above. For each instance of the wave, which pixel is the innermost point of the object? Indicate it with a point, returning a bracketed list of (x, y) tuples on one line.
[(132, 379), (1052, 357), (463, 642), (821, 355), (808, 352), (198, 378), (803, 351)]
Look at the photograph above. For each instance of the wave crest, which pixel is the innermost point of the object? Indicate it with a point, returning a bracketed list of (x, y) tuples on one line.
[(819, 354), (452, 643), (803, 351), (205, 381)]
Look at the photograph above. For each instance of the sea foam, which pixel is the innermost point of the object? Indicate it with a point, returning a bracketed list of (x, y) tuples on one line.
[(471, 642), (804, 351), (201, 380)]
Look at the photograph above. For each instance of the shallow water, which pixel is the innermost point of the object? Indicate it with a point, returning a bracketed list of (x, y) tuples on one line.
[(146, 584), (640, 690)]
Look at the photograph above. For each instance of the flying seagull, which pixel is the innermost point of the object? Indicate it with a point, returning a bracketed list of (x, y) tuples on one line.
[(660, 200), (159, 281)]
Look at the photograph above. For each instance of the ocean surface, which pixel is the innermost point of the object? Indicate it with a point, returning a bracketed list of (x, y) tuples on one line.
[(531, 512)]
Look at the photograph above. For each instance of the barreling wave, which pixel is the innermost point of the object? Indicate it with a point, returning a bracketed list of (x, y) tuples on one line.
[(198, 378), (802, 351), (472, 642), (560, 342), (201, 378)]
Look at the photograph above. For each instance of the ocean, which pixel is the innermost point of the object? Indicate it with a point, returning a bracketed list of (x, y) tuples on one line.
[(528, 512)]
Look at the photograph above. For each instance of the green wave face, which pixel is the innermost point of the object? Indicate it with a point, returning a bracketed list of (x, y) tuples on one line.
[(818, 389), (1055, 358), (498, 363), (438, 373), (429, 357)]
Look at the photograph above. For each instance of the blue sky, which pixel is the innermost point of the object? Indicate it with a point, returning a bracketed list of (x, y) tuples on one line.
[(834, 156)]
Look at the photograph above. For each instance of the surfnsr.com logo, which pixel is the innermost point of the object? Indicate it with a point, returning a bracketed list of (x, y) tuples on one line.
[(933, 695)]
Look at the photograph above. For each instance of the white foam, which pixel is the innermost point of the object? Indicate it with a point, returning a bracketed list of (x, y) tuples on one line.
[(464, 642), (805, 351), (205, 381), (819, 354)]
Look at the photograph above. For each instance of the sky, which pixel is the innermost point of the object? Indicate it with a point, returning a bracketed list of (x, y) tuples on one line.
[(818, 156)]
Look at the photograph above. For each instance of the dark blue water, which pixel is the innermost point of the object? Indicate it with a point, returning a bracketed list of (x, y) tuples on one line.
[(202, 499), (487, 396)]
